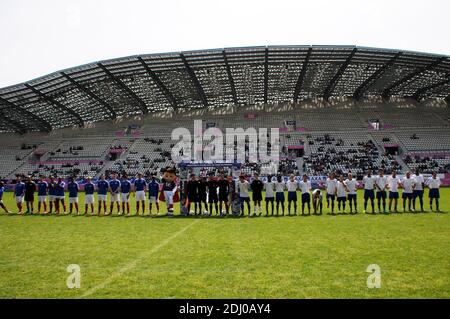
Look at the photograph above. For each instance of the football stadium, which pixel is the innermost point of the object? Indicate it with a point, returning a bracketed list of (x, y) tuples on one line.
[(82, 147)]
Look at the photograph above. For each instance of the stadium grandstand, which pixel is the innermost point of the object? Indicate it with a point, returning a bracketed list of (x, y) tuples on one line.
[(338, 108)]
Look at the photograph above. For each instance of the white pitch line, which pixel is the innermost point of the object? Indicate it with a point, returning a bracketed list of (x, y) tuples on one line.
[(133, 263)]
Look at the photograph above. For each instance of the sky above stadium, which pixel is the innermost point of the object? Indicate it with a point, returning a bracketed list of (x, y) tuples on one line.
[(42, 36)]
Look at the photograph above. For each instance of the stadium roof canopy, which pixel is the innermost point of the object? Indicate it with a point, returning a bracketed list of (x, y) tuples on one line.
[(219, 77)]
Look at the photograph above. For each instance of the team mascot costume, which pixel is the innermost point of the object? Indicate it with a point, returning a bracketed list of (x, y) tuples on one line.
[(169, 191)]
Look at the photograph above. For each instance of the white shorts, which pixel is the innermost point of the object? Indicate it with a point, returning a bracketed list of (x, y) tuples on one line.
[(102, 197), (89, 199), (51, 198), (73, 200), (125, 197), (153, 199), (19, 199), (168, 195), (41, 199), (60, 197), (140, 196), (114, 198)]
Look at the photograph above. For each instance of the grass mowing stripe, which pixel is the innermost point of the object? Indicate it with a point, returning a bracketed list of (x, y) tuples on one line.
[(133, 263)]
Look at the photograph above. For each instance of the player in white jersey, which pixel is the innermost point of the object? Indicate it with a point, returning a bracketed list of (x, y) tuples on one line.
[(242, 189), (305, 188), (292, 186), (408, 187), (269, 188), (351, 184), (433, 183), (280, 186), (331, 191), (393, 182), (317, 201), (341, 192), (381, 184), (419, 183), (369, 186)]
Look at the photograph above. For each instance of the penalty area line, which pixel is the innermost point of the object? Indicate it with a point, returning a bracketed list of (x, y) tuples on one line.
[(134, 263)]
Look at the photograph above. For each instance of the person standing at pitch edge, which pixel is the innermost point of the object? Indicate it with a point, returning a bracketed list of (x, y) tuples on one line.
[(125, 188), (42, 187), (192, 195), (369, 182), (434, 182), (393, 183), (242, 190), (153, 192), (213, 198), (341, 194), (381, 183), (331, 185), (269, 188), (305, 188), (408, 186), (102, 191), (89, 189), (114, 196), (419, 183), (292, 187), (73, 189), (224, 190), (140, 185), (351, 184), (280, 186), (257, 186)]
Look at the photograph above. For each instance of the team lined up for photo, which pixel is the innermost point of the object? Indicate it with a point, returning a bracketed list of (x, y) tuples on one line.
[(203, 196)]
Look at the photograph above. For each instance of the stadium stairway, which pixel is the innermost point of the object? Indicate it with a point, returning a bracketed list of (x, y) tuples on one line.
[(402, 163)]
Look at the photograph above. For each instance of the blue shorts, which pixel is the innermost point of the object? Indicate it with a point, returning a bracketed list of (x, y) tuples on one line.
[(393, 195), (381, 195), (369, 193), (332, 196), (292, 196), (434, 193), (407, 195), (417, 193), (351, 197), (306, 198), (341, 198), (269, 199), (279, 196)]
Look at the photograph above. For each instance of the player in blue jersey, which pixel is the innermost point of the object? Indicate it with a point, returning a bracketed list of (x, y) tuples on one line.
[(42, 187), (114, 189), (125, 188), (2, 190), (51, 194), (139, 188), (153, 191), (102, 190), (59, 196), (19, 192), (89, 189), (73, 189)]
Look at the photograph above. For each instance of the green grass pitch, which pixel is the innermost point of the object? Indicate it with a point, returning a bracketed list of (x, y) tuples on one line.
[(286, 257)]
